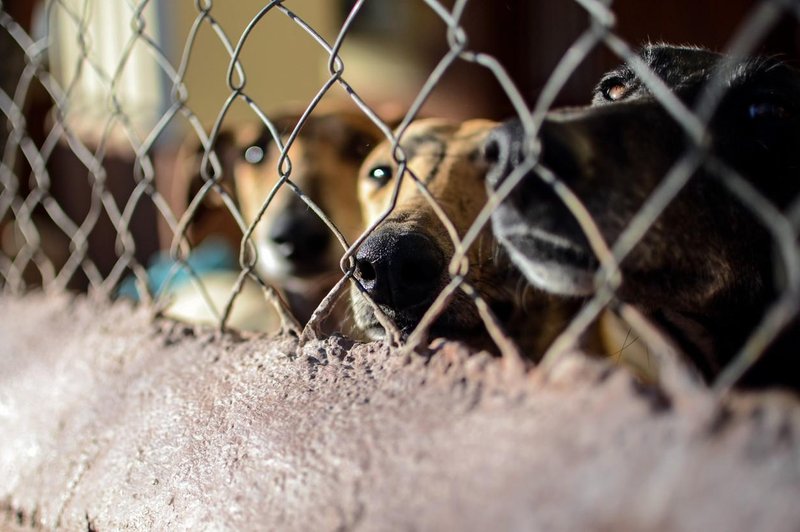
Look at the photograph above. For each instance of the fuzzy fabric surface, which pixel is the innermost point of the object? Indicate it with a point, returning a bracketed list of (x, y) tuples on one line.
[(110, 420)]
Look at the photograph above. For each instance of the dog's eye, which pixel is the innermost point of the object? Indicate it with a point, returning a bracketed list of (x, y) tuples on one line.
[(381, 174), (766, 110), (254, 154), (614, 90)]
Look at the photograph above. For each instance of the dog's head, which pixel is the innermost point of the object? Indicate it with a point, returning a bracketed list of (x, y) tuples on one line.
[(706, 253), (294, 245), (403, 264), (613, 155)]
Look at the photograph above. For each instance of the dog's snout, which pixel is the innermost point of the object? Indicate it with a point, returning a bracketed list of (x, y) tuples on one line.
[(400, 270), (299, 236), (493, 148), (502, 151), (564, 149), (557, 147)]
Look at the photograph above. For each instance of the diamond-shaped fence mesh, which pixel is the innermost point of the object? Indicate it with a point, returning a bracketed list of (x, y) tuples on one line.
[(258, 220)]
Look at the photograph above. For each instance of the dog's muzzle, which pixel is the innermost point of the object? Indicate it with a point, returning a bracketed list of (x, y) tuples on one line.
[(532, 223), (401, 271), (503, 150), (297, 242)]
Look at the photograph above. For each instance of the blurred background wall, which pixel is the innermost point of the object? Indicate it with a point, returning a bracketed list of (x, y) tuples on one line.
[(283, 64), (391, 49)]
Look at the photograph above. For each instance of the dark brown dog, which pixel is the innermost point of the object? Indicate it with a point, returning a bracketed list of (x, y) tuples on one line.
[(705, 271)]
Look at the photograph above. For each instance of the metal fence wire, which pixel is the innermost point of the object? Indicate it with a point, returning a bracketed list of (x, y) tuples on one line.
[(45, 244)]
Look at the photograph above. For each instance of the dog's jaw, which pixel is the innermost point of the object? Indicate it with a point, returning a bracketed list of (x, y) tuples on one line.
[(274, 267), (543, 257), (551, 276), (459, 319), (270, 264), (364, 316)]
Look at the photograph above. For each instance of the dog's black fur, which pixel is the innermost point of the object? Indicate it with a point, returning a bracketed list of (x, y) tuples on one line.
[(706, 270)]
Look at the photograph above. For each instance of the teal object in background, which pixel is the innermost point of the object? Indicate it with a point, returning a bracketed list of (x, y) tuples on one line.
[(212, 255)]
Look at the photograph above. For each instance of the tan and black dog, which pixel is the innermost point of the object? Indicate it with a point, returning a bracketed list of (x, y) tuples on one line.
[(705, 271), (403, 263), (297, 252)]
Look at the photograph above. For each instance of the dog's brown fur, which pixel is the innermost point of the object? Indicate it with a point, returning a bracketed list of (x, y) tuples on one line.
[(445, 157)]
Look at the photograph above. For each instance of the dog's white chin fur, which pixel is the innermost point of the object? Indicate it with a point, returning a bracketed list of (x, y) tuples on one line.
[(551, 276), (275, 269), (270, 265), (364, 316)]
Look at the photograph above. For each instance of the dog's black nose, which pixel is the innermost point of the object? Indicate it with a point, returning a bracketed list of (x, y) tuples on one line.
[(401, 270), (299, 236)]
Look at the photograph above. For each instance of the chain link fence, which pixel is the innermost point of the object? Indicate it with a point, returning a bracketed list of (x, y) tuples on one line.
[(51, 243)]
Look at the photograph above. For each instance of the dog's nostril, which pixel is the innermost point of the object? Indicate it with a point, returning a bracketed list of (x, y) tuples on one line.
[(281, 239), (365, 271), (497, 154), (491, 151)]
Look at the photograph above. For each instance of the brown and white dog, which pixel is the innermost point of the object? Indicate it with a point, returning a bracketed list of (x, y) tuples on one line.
[(298, 254), (403, 264)]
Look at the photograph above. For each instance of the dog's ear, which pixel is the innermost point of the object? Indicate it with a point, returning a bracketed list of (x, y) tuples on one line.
[(359, 142), (211, 215), (352, 133), (392, 113), (226, 152)]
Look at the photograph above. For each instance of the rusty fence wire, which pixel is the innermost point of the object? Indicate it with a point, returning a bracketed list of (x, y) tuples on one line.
[(45, 245)]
